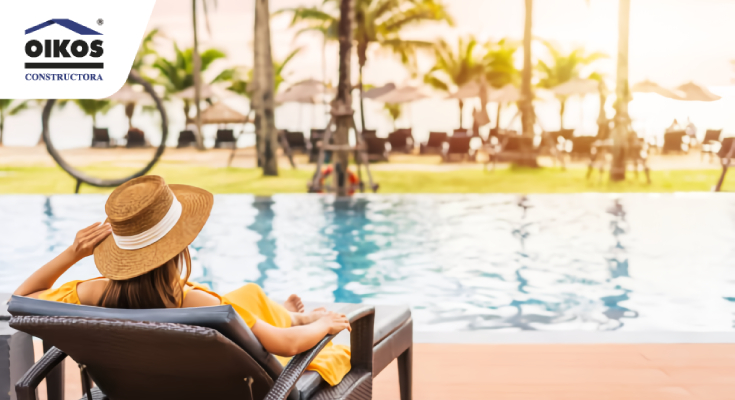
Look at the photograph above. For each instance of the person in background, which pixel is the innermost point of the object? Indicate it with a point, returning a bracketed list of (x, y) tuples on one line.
[(675, 126), (691, 130)]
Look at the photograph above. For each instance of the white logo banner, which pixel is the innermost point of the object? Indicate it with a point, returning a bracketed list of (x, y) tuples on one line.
[(68, 49)]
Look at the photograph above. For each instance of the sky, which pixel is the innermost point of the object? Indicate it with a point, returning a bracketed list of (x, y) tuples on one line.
[(671, 41)]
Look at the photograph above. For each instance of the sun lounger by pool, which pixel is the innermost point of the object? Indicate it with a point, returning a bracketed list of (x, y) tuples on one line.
[(377, 149), (152, 354), (513, 148), (459, 149), (225, 139), (401, 141), (674, 142), (369, 133), (435, 144), (296, 141), (460, 133), (136, 138), (582, 147), (186, 139), (711, 142), (315, 138), (101, 138)]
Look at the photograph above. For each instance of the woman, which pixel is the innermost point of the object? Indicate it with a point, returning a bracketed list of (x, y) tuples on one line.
[(142, 253)]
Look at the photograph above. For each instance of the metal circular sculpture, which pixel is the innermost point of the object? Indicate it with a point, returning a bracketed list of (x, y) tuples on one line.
[(100, 182)]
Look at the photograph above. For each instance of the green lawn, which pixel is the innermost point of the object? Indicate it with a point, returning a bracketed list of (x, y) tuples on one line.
[(53, 180)]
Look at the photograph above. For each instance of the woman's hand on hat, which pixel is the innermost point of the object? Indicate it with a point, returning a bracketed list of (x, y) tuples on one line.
[(88, 238)]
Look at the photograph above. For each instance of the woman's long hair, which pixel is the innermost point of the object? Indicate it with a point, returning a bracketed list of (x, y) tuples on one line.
[(162, 287)]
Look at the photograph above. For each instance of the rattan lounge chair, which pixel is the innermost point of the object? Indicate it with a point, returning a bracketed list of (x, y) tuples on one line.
[(377, 149), (401, 141), (369, 133), (149, 354), (225, 139), (101, 138), (435, 144), (186, 139), (674, 142), (710, 143), (513, 148), (459, 148), (135, 138), (315, 137), (582, 147), (296, 141), (460, 132)]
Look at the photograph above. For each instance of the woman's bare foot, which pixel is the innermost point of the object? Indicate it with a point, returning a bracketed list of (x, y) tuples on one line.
[(294, 304), (307, 318)]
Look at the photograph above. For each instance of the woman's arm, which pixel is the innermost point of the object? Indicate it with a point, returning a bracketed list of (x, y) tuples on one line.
[(83, 246), (287, 342)]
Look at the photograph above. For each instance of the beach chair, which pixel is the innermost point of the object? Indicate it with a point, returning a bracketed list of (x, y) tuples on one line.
[(460, 133), (101, 138), (315, 138), (376, 149), (513, 148), (186, 139), (296, 141), (435, 144), (225, 139), (203, 353), (710, 143), (674, 142), (458, 148), (135, 138), (369, 133), (582, 147), (401, 141)]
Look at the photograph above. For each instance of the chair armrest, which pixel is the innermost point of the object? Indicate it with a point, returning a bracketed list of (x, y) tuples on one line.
[(25, 389), (362, 320)]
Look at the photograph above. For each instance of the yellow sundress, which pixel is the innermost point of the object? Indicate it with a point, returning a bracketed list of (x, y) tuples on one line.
[(251, 303)]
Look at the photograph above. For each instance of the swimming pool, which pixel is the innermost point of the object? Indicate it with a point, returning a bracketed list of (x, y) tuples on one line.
[(583, 262)]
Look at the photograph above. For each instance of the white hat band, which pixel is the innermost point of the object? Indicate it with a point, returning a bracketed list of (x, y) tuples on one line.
[(155, 233)]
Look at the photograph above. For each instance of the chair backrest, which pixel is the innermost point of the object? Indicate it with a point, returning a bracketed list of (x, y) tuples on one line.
[(400, 139), (223, 319), (515, 143), (725, 148), (375, 145), (459, 132), (673, 141), (135, 138), (317, 134), (582, 145), (152, 360), (436, 139), (186, 138), (295, 139), (459, 145), (369, 133), (100, 135), (712, 135), (225, 135)]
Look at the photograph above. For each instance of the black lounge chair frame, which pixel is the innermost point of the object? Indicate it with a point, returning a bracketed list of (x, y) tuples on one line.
[(435, 143), (133, 357)]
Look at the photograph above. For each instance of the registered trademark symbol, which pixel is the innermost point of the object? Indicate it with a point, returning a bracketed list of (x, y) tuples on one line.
[(100, 21)]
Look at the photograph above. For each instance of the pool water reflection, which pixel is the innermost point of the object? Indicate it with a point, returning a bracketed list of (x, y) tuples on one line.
[(463, 262)]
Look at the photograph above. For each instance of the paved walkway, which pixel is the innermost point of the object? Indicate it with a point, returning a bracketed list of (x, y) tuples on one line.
[(551, 372)]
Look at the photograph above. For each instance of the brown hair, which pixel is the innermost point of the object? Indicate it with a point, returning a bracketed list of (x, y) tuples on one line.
[(162, 287)]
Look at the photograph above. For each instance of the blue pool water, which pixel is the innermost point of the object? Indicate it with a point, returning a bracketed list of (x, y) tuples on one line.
[(590, 262)]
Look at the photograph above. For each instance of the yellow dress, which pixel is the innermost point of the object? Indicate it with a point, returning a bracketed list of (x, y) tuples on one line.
[(251, 303)]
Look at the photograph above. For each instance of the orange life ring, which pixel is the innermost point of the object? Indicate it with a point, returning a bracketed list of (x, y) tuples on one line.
[(352, 179)]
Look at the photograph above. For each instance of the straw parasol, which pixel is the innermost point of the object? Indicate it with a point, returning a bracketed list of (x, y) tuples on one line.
[(506, 94), (379, 91), (576, 86), (309, 91), (128, 96), (693, 92), (652, 87), (220, 113), (206, 92), (405, 94), (469, 90)]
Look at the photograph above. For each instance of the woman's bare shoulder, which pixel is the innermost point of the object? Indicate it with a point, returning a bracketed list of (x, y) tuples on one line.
[(90, 292), (200, 298)]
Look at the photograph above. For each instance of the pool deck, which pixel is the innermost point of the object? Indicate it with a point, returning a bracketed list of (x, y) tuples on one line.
[(551, 371)]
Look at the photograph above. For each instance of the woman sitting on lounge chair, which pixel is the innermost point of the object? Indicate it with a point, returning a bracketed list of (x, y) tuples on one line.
[(142, 253)]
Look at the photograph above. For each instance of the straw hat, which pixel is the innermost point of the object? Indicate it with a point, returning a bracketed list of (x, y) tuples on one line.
[(152, 222)]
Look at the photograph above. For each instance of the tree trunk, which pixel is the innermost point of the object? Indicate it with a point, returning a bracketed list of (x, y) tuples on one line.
[(2, 125), (526, 102), (197, 79), (264, 79), (342, 106), (362, 105), (129, 110), (620, 130), (461, 109), (497, 117), (563, 102)]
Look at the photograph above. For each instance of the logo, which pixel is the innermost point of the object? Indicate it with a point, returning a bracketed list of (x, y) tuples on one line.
[(62, 49)]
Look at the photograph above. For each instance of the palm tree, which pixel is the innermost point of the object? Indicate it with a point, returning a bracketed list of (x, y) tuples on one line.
[(178, 74), (500, 69), (455, 69), (525, 105), (93, 107), (264, 90), (395, 111), (239, 77), (9, 107), (622, 92), (146, 55), (563, 68), (377, 22)]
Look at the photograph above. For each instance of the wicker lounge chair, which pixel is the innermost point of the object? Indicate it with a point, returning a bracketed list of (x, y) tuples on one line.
[(369, 133), (135, 138), (711, 142), (435, 144), (377, 149), (401, 141), (186, 139), (316, 136), (225, 139), (101, 138), (513, 148), (460, 133), (582, 147), (459, 148), (296, 141), (674, 142), (148, 354)]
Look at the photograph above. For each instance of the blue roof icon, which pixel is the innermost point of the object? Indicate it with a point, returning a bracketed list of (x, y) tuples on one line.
[(66, 23)]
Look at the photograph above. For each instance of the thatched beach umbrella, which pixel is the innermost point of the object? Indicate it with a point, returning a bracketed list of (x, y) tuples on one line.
[(405, 94), (128, 96), (206, 92), (220, 113), (652, 87), (309, 91), (693, 92), (577, 87), (379, 91)]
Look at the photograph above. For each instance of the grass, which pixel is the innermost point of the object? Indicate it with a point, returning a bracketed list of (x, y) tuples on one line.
[(53, 180)]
